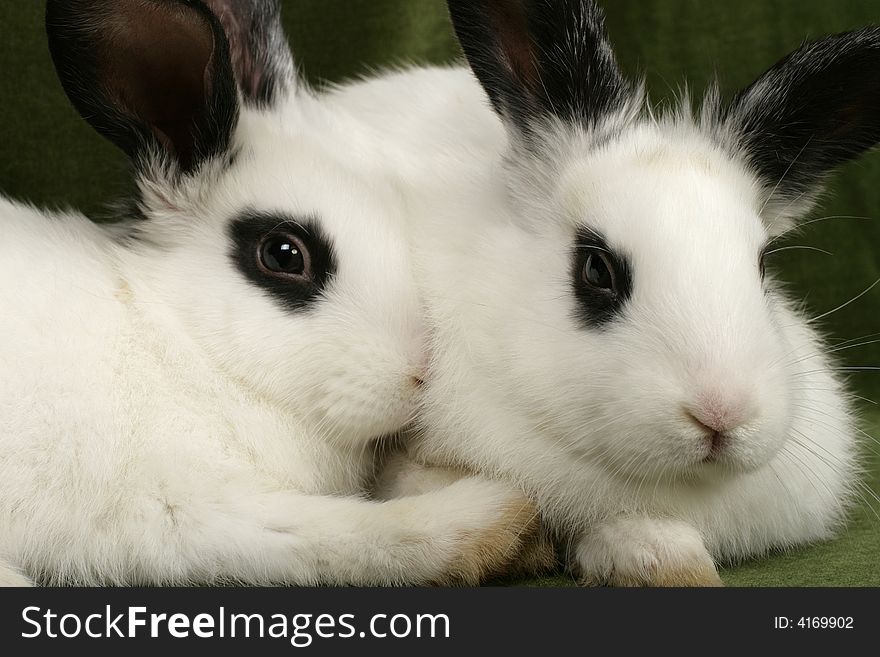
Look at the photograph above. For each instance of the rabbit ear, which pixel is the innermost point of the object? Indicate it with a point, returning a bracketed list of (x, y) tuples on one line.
[(152, 76), (261, 57), (541, 58), (813, 111)]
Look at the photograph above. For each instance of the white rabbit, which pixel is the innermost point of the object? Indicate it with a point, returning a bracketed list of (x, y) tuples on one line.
[(604, 332), (195, 395)]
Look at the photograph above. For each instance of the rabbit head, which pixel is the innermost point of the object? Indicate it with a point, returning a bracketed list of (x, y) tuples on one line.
[(256, 235), (637, 325)]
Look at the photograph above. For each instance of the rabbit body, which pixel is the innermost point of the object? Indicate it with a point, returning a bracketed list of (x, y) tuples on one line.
[(196, 394), (502, 400), (604, 330)]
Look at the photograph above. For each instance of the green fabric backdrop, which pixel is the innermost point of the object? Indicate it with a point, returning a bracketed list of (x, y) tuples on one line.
[(49, 156)]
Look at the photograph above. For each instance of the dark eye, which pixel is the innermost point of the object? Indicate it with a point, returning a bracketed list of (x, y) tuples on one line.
[(287, 257), (602, 280), (284, 255), (599, 272)]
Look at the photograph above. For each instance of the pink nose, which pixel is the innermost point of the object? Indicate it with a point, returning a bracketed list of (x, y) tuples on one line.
[(720, 415)]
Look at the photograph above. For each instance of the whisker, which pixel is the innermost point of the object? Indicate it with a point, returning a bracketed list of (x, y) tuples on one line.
[(784, 174), (844, 368), (808, 470), (834, 350), (844, 305), (799, 248)]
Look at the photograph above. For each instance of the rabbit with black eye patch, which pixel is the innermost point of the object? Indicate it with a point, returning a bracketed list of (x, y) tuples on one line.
[(195, 394), (604, 331)]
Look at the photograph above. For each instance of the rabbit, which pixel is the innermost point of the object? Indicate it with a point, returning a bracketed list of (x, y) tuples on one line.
[(196, 393), (605, 330)]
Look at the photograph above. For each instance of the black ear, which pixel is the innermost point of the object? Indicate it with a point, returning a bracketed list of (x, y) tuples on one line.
[(540, 58), (261, 57), (813, 111), (150, 75)]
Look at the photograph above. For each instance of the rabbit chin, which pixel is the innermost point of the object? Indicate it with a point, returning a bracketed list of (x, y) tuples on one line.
[(684, 458)]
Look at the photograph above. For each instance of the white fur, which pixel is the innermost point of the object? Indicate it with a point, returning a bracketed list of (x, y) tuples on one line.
[(163, 421), (596, 424), (593, 422), (630, 551), (437, 120)]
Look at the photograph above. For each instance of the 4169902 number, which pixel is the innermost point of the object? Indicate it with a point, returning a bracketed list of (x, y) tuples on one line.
[(813, 623)]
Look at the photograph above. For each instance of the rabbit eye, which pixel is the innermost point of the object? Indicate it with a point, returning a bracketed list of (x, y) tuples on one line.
[(290, 258), (285, 255), (602, 280), (599, 272)]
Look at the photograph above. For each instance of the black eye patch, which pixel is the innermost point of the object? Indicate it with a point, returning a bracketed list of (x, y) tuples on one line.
[(601, 279), (289, 258)]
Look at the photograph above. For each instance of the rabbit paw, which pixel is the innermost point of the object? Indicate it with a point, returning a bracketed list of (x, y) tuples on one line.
[(513, 544), (509, 537), (645, 552)]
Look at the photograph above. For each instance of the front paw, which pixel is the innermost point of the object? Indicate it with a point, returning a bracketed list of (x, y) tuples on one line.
[(645, 552), (536, 557), (499, 534)]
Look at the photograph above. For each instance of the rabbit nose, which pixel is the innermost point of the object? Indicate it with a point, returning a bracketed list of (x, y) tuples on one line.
[(711, 422), (716, 440), (719, 415)]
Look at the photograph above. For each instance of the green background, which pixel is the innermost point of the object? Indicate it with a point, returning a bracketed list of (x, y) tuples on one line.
[(49, 156)]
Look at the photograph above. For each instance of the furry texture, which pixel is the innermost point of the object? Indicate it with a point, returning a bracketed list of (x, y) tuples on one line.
[(149, 76), (259, 54), (813, 111), (572, 73), (164, 420), (705, 423)]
